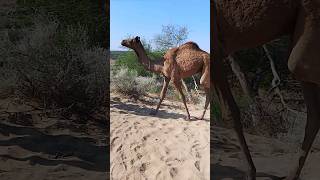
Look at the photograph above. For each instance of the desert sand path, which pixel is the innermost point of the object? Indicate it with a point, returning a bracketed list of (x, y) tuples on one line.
[(273, 158), (158, 147)]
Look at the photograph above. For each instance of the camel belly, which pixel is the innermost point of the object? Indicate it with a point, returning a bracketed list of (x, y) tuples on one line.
[(190, 67), (248, 23), (190, 62)]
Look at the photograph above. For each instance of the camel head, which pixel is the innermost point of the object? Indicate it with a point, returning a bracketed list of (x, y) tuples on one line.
[(131, 43)]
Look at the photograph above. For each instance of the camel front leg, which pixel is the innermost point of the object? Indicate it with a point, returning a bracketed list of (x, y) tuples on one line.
[(162, 94), (177, 85), (311, 94)]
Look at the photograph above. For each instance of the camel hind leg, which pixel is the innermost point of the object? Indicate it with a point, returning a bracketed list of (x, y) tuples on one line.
[(223, 91), (311, 94), (177, 84), (205, 82), (206, 104)]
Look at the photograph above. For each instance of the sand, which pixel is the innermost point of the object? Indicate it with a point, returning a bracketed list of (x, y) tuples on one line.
[(49, 148), (164, 146), (272, 158)]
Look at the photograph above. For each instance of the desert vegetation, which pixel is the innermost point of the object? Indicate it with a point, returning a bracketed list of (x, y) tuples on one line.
[(53, 89), (46, 58), (280, 106)]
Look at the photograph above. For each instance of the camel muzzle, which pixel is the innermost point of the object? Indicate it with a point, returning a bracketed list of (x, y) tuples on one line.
[(123, 43)]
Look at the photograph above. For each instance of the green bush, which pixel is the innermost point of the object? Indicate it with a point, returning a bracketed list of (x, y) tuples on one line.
[(130, 61)]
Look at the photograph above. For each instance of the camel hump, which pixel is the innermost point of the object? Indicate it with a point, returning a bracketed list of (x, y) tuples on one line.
[(190, 44)]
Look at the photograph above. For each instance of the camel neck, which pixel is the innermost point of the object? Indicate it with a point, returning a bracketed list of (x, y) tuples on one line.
[(145, 61)]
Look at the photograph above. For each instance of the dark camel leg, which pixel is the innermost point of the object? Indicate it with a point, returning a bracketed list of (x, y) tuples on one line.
[(205, 83), (162, 94), (223, 91), (206, 103), (177, 85), (311, 94)]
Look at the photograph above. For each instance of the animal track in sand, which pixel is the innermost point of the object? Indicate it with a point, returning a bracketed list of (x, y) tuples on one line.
[(123, 158), (146, 137), (112, 142), (173, 161), (198, 155), (119, 148), (197, 165), (136, 148), (128, 129), (139, 156), (136, 123), (173, 172), (143, 167)]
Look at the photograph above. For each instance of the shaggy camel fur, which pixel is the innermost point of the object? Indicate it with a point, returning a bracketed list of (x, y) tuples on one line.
[(240, 24), (177, 63)]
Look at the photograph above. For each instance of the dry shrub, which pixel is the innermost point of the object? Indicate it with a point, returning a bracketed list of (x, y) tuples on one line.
[(58, 66), (128, 83)]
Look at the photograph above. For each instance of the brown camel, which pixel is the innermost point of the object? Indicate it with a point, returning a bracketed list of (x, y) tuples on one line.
[(240, 24), (177, 63)]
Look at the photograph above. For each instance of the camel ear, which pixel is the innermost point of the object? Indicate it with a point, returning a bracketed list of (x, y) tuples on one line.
[(137, 38)]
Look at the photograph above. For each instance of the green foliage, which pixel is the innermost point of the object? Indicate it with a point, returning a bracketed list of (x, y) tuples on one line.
[(130, 61)]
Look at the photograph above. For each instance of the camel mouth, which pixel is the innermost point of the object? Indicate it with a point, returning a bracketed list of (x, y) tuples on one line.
[(123, 43)]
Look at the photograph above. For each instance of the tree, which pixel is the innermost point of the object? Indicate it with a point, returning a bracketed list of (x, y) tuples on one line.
[(171, 36)]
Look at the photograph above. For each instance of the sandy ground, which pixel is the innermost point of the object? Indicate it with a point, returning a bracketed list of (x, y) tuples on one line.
[(50, 148), (164, 146), (273, 158)]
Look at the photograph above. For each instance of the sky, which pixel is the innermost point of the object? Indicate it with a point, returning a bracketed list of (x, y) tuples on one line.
[(145, 18)]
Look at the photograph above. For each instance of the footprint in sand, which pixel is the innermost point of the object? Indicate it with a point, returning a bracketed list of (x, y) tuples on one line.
[(146, 137), (143, 167), (113, 142), (173, 172), (197, 165), (173, 161), (119, 148), (136, 148), (139, 156)]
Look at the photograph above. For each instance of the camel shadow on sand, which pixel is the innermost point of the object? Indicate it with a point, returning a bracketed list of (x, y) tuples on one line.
[(220, 172), (143, 110), (55, 149)]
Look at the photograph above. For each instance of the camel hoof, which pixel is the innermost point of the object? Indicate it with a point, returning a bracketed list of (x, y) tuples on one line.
[(200, 118)]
